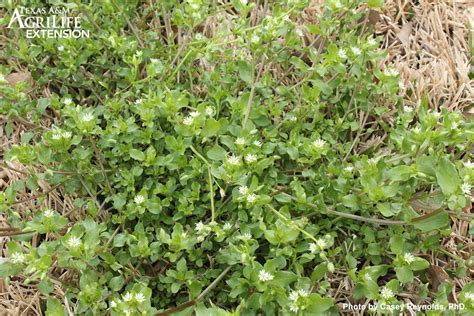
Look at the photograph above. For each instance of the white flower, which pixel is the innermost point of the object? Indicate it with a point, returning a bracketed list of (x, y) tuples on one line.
[(373, 161), (244, 2), (138, 101), (59, 134), (466, 188), (257, 143), (128, 297), (372, 41), (139, 297), (154, 60), (240, 141), (408, 258), (469, 164), (386, 293), (255, 38), (188, 120), (408, 109), (338, 4), (251, 198), (436, 114), (417, 130), (293, 296), (246, 236), (243, 190), (74, 242), (469, 296), (321, 243), (265, 276), (17, 258), (294, 308), (233, 160), (194, 4), (303, 293), (48, 213), (60, 48), (67, 101), (356, 51), (391, 72), (227, 226), (194, 114), (210, 111), (250, 158), (2, 78), (299, 32), (342, 53), (313, 248), (401, 85), (113, 304), (87, 117), (139, 199), (199, 36), (319, 144), (349, 168), (200, 226)]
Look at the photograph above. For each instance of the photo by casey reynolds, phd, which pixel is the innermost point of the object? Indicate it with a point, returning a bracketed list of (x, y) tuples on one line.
[(402, 307)]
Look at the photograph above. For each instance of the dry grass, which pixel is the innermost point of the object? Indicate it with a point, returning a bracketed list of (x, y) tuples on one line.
[(427, 42)]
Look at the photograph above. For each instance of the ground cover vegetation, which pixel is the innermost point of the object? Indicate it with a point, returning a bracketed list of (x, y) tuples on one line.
[(226, 158)]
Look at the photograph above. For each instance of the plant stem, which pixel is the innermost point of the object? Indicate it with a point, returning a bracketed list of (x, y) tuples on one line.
[(211, 181), (200, 297), (352, 216), (288, 220), (211, 193)]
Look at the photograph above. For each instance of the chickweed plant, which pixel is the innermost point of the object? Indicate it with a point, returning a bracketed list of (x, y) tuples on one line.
[(227, 158)]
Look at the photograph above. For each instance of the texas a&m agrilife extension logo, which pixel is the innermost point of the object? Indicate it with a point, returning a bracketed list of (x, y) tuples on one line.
[(54, 22)]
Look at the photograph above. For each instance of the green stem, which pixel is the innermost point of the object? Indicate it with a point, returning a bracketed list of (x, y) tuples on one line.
[(211, 181), (289, 221), (352, 216), (211, 193)]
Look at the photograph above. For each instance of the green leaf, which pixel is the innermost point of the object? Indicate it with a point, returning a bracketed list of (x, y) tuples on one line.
[(397, 243), (385, 209), (284, 278), (116, 283), (217, 153), (426, 165), (375, 3), (45, 286), (438, 220), (447, 177), (404, 274), (137, 154), (319, 272), (54, 308), (211, 128), (318, 304), (245, 72), (350, 201), (8, 269), (419, 264)]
